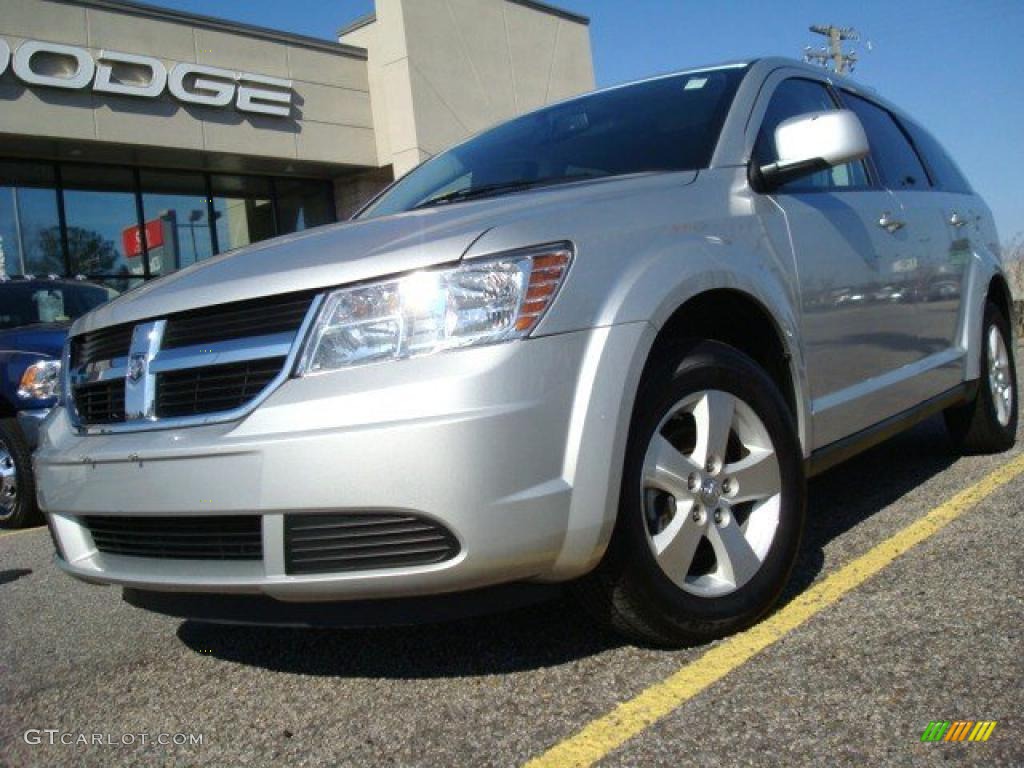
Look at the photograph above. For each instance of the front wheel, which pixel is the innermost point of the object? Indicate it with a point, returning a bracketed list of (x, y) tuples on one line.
[(712, 502), (17, 490)]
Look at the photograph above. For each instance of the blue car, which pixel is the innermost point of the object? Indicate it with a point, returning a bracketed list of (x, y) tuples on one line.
[(35, 316)]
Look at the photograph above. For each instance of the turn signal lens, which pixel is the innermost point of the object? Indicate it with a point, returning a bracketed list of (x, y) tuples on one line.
[(40, 381), (546, 274)]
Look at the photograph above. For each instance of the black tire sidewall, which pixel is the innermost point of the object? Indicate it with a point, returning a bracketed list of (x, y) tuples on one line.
[(25, 512), (704, 366)]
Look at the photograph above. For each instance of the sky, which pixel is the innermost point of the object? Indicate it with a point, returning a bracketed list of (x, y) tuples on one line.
[(955, 65)]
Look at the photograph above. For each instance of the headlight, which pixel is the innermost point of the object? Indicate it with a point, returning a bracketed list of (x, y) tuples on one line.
[(479, 302), (40, 381)]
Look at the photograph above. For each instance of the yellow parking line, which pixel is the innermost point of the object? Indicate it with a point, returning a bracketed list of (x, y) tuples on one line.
[(630, 718), (5, 534)]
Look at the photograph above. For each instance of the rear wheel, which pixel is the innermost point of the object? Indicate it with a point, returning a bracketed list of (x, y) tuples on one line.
[(712, 502), (988, 423), (17, 491)]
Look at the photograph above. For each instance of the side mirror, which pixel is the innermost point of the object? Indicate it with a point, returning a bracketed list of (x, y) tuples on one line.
[(813, 142)]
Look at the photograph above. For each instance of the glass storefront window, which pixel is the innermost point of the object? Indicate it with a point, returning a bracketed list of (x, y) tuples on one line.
[(177, 223), (29, 223), (243, 210), (107, 241), (302, 204), (99, 205)]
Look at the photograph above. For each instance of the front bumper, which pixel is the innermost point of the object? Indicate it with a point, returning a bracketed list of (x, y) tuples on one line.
[(515, 448)]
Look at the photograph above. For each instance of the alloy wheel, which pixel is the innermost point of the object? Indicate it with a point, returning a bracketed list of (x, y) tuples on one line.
[(711, 493), (999, 381), (8, 483)]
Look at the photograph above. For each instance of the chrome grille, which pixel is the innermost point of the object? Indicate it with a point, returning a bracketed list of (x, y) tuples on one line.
[(243, 319), (104, 344), (192, 365), (215, 388), (178, 538), (101, 402), (354, 542)]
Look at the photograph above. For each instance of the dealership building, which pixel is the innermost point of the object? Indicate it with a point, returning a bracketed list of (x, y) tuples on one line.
[(136, 140)]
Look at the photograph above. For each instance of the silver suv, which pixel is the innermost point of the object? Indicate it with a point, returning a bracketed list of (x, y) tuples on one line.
[(603, 343)]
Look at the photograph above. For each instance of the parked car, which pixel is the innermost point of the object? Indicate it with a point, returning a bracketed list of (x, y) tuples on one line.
[(35, 316), (588, 345)]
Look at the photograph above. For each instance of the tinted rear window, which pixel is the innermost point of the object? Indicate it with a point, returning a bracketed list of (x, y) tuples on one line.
[(944, 172), (894, 156)]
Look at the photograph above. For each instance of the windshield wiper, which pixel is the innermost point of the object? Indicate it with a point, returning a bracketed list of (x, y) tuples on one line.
[(470, 193)]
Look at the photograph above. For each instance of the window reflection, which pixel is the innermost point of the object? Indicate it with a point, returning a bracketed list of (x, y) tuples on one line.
[(119, 284), (244, 210), (107, 241), (303, 204), (26, 302), (99, 204), (29, 228), (177, 225)]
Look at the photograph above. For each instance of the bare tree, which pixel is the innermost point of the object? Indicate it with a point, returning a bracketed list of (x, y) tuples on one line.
[(1013, 262)]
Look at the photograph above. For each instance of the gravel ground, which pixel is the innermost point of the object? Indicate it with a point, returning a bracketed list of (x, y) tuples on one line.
[(938, 635)]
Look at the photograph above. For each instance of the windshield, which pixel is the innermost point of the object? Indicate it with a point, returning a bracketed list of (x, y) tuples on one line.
[(26, 303), (668, 124)]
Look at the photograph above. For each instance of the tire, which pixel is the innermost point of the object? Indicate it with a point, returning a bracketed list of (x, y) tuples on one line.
[(632, 590), (985, 424), (17, 486)]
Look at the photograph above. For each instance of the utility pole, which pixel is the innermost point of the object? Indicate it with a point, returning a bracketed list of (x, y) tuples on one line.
[(842, 63)]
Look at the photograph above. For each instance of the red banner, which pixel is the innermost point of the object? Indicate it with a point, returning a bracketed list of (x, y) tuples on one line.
[(131, 238)]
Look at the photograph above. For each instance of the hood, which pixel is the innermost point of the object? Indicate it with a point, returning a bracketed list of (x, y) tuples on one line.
[(346, 253), (44, 339)]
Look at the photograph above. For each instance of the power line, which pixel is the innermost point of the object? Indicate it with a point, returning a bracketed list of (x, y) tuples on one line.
[(833, 56)]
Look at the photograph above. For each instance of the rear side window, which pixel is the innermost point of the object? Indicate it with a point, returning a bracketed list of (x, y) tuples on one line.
[(792, 98), (944, 172), (894, 156)]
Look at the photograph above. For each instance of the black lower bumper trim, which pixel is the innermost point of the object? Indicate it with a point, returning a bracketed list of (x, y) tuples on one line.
[(258, 610)]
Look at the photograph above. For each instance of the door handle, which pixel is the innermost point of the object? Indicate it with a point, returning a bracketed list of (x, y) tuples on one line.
[(957, 220), (890, 224)]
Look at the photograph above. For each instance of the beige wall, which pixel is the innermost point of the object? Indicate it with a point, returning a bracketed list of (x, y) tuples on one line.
[(331, 117), (442, 70), (424, 74)]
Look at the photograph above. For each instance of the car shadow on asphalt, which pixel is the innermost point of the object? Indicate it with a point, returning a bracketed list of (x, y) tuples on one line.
[(534, 637), (843, 497), (558, 631), (6, 577)]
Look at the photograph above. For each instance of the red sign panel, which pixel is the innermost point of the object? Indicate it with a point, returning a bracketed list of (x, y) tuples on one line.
[(131, 238)]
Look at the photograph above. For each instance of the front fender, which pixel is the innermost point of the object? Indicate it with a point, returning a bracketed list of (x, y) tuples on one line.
[(641, 257), (661, 282)]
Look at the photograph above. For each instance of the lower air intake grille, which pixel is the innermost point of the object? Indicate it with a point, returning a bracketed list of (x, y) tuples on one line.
[(101, 402), (195, 391), (178, 538), (362, 542)]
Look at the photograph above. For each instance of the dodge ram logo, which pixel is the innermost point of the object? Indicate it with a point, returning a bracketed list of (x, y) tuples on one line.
[(136, 367)]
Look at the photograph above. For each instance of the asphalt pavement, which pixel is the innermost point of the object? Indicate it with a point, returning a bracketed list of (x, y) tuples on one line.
[(938, 634)]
